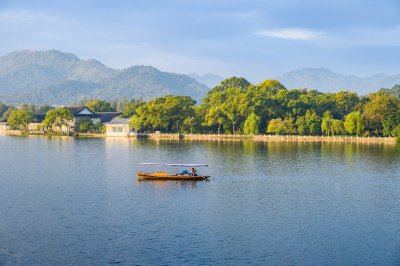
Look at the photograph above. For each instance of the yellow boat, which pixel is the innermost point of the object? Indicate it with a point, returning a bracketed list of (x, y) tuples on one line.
[(182, 176)]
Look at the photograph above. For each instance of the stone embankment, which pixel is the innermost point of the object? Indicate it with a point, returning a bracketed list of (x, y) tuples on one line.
[(210, 137), (282, 138)]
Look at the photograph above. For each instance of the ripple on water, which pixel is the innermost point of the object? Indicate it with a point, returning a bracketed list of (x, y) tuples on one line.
[(78, 202)]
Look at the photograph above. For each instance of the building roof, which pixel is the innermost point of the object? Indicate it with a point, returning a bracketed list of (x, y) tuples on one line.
[(38, 118), (107, 116), (75, 109), (119, 122)]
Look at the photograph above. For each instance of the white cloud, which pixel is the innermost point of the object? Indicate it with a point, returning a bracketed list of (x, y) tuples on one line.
[(289, 33)]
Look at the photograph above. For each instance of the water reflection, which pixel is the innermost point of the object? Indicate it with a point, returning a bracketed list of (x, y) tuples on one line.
[(79, 200)]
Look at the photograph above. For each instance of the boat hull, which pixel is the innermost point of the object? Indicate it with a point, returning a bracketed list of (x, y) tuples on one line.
[(164, 176)]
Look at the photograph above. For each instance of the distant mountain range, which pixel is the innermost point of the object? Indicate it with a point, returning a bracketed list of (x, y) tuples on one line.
[(210, 80), (54, 77), (324, 80)]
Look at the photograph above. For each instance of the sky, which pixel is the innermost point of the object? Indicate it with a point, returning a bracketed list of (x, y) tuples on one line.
[(257, 40)]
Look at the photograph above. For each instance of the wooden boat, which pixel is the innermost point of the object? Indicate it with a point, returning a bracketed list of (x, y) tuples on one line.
[(165, 176)]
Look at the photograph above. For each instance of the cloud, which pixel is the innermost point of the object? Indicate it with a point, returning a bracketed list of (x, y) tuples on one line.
[(289, 33)]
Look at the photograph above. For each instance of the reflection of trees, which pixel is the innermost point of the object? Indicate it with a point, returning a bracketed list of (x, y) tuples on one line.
[(176, 183), (244, 158)]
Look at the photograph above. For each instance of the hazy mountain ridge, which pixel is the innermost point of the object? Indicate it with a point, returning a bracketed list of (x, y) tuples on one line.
[(210, 80), (325, 80), (54, 77)]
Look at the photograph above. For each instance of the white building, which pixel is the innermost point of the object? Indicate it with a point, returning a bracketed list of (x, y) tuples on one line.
[(118, 128)]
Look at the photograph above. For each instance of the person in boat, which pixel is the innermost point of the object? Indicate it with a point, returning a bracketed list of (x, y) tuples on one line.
[(193, 172)]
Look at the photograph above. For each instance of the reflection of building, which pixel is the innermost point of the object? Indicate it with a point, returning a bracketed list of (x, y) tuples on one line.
[(118, 128)]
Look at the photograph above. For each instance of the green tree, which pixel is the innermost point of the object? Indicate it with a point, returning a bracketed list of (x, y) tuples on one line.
[(29, 107), (252, 124), (190, 122), (215, 116), (381, 113), (100, 106), (354, 123), (326, 125), (7, 113), (153, 114), (313, 122), (302, 126), (113, 104), (43, 109), (309, 124), (130, 109), (177, 109), (120, 105), (3, 108), (233, 82), (85, 124), (137, 122), (20, 119), (280, 126), (346, 101), (330, 126), (396, 131), (235, 107), (56, 118)]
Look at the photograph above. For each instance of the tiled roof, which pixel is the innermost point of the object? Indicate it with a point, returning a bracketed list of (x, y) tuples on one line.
[(119, 121), (107, 116), (75, 109)]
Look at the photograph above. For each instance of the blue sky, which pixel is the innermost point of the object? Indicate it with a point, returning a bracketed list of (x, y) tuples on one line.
[(254, 39)]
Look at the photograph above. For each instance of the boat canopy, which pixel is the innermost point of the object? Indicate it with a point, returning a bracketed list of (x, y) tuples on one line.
[(174, 164)]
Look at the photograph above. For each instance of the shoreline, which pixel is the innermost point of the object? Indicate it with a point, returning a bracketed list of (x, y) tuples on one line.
[(216, 137)]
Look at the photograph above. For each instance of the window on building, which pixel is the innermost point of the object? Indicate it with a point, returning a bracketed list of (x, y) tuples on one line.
[(117, 129)]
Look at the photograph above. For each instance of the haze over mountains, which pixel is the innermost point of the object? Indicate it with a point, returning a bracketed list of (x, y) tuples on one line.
[(54, 77), (324, 80), (210, 80)]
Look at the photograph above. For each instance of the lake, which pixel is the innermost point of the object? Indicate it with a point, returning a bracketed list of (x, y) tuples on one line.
[(67, 200)]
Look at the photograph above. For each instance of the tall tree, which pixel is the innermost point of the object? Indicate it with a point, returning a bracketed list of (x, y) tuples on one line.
[(100, 106), (20, 119), (354, 123), (3, 108), (346, 101), (120, 105), (56, 118), (382, 113), (252, 124), (7, 113)]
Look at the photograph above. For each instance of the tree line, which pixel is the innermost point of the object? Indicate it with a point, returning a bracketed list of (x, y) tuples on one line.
[(238, 107)]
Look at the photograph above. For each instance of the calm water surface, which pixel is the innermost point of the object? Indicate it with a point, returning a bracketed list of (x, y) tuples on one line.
[(78, 201)]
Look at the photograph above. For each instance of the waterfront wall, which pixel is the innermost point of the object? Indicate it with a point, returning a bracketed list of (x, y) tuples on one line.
[(289, 138), (10, 132), (211, 137)]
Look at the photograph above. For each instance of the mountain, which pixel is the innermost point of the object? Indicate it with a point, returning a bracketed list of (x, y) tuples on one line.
[(54, 77), (324, 80), (210, 80)]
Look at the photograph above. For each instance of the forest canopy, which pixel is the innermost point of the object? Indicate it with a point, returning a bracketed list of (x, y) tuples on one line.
[(238, 107)]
